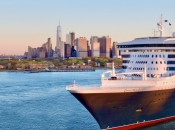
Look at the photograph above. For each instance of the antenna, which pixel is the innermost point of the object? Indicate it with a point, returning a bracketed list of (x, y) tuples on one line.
[(161, 21), (160, 26)]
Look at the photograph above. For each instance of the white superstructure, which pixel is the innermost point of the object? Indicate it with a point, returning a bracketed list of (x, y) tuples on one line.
[(156, 54)]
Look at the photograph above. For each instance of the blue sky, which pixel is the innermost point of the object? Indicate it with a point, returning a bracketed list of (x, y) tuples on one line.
[(31, 22)]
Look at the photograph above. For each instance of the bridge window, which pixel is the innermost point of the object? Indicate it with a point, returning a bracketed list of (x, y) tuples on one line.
[(126, 61), (170, 62), (124, 67), (171, 68), (125, 56), (146, 45), (171, 56)]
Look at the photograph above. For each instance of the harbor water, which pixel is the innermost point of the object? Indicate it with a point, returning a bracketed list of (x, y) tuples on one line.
[(39, 101)]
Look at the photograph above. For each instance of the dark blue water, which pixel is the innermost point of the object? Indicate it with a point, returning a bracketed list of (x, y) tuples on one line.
[(39, 101)]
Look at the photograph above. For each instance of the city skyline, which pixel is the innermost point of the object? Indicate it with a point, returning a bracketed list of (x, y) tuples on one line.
[(29, 23)]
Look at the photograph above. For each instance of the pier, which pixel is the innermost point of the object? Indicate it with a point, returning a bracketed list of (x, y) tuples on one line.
[(63, 70)]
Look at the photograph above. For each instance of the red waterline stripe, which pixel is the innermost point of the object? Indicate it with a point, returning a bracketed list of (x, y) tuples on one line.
[(143, 124)]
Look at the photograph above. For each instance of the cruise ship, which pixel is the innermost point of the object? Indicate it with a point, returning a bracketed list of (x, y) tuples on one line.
[(141, 96)]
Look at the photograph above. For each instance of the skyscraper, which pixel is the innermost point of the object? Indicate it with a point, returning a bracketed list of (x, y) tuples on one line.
[(105, 46), (72, 38), (45, 51), (89, 49), (67, 50), (81, 44), (68, 39), (48, 48), (95, 46), (58, 41), (114, 50)]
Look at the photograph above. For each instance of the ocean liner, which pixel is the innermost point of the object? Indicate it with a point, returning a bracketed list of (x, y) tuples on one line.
[(143, 95)]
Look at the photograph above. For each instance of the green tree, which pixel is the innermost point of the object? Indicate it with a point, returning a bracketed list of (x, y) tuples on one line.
[(57, 62)]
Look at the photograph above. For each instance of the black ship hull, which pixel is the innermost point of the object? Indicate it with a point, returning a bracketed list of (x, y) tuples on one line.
[(114, 110)]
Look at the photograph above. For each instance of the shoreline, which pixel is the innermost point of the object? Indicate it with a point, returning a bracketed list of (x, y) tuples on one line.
[(60, 70), (55, 70)]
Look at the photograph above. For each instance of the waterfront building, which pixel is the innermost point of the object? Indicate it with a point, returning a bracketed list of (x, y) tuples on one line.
[(114, 50), (81, 44), (31, 52), (67, 50), (62, 49), (25, 55), (95, 46), (42, 54), (73, 51), (45, 51), (70, 38), (48, 48), (89, 49), (105, 46)]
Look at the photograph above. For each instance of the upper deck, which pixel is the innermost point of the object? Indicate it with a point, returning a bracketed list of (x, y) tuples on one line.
[(148, 42)]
